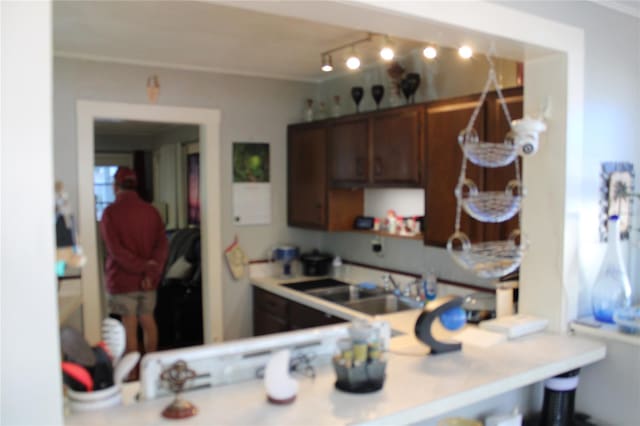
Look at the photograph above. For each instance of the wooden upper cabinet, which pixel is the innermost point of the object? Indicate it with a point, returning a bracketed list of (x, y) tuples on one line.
[(307, 157), (396, 141), (311, 203), (443, 122), (496, 179), (349, 152)]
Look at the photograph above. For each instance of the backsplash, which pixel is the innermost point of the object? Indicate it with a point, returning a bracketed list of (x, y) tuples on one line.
[(400, 255)]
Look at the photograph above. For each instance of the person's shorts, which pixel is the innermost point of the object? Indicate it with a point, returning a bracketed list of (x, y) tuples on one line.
[(134, 303)]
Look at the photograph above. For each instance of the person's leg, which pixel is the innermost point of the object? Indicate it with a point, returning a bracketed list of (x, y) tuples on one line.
[(147, 321), (130, 323), (150, 331), (125, 305)]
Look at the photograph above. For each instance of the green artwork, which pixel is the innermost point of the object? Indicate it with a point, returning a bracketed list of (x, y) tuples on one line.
[(250, 162)]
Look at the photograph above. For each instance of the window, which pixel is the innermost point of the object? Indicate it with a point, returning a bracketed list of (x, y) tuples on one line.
[(103, 178)]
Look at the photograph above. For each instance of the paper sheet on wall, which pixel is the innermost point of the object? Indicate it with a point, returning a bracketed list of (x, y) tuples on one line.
[(252, 203)]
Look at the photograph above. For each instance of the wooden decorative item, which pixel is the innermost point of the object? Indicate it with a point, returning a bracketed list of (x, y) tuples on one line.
[(177, 376), (153, 88)]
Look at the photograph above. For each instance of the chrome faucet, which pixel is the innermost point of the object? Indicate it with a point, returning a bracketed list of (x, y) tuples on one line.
[(388, 279)]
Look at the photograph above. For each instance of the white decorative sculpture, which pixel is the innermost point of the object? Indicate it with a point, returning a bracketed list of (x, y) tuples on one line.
[(280, 387)]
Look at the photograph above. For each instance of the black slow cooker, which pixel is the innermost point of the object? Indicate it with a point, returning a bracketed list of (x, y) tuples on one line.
[(316, 264)]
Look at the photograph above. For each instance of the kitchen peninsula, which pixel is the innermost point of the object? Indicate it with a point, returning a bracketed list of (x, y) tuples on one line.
[(418, 387)]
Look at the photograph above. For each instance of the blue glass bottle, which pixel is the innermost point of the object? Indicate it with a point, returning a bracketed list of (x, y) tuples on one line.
[(612, 289)]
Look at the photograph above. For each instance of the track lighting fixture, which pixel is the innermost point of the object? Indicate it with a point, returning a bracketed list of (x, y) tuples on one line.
[(327, 63), (353, 62), (430, 52), (387, 52), (465, 52)]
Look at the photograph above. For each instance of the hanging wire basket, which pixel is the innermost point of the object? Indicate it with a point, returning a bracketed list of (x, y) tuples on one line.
[(490, 206), (487, 154), (491, 259)]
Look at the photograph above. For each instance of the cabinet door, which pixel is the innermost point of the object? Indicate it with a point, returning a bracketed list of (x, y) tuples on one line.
[(301, 316), (307, 162), (443, 121), (496, 179), (266, 323), (270, 313), (349, 152), (396, 147)]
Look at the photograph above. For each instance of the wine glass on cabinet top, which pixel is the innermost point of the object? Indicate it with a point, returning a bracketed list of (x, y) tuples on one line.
[(357, 93), (377, 91)]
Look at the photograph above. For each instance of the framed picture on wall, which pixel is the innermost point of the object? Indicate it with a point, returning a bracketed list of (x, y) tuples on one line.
[(251, 183), (193, 189), (250, 162), (616, 188)]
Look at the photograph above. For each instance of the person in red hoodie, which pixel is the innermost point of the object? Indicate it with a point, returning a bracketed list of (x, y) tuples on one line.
[(136, 251)]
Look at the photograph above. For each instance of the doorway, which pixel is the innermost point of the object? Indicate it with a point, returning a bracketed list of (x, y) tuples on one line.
[(161, 154), (209, 122)]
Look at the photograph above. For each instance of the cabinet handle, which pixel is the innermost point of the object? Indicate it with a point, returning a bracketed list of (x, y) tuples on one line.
[(377, 166), (359, 166)]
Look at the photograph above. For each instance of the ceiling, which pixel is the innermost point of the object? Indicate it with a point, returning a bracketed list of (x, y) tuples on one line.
[(247, 37), (208, 37)]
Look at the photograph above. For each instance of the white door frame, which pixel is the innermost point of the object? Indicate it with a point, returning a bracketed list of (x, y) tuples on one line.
[(210, 228)]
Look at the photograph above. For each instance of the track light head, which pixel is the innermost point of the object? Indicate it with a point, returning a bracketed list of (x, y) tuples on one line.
[(353, 62), (465, 52), (327, 63), (430, 52), (386, 53)]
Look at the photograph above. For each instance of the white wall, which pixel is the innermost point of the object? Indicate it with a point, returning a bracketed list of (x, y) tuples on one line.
[(30, 379), (253, 109), (611, 117), (166, 181)]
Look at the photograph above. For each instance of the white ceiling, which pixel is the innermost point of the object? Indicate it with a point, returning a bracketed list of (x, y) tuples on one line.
[(205, 36), (256, 38), (629, 7)]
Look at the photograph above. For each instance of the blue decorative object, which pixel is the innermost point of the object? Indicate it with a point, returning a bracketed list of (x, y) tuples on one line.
[(612, 289), (286, 255), (628, 319), (454, 318)]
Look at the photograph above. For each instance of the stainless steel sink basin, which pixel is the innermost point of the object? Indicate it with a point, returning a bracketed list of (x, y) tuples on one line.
[(369, 301), (382, 305), (306, 286), (344, 294)]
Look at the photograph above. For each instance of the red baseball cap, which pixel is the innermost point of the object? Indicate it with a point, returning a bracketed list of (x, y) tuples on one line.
[(125, 174)]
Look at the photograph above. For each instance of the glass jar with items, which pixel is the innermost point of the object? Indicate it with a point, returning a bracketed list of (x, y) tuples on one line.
[(360, 362)]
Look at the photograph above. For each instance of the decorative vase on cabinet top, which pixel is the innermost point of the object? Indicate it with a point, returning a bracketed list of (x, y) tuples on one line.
[(612, 289)]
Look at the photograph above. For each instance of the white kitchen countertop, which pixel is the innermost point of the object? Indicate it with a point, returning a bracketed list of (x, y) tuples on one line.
[(417, 386)]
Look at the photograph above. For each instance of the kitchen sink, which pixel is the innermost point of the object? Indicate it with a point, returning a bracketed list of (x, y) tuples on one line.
[(369, 301), (344, 294), (382, 305), (316, 284)]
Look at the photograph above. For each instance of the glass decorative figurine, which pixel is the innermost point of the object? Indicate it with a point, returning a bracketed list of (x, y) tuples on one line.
[(612, 289)]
